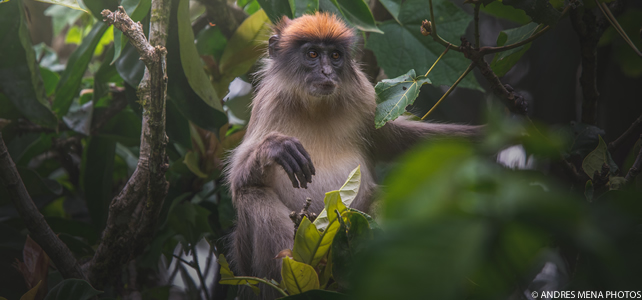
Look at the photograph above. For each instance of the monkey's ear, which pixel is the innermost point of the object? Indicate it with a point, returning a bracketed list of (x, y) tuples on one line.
[(272, 45)]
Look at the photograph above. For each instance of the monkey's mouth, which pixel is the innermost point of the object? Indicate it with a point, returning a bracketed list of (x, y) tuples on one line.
[(325, 88)]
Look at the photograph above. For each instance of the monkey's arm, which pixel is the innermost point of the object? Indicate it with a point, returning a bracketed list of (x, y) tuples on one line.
[(254, 157), (397, 136)]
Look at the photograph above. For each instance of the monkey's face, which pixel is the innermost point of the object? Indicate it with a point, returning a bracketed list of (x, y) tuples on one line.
[(322, 66)]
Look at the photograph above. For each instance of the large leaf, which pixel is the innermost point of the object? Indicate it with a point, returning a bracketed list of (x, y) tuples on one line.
[(190, 221), (275, 9), (71, 78), (72, 289), (245, 46), (393, 7), (594, 161), (393, 95), (20, 77), (540, 11), (402, 47), (97, 6), (504, 61), (98, 165), (179, 91), (136, 10), (35, 184), (310, 244), (302, 7), (358, 14), (298, 277), (227, 276), (73, 4), (190, 60), (348, 193)]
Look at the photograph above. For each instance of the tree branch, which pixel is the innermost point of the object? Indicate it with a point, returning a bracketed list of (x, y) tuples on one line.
[(585, 25), (635, 168), (34, 221), (632, 129), (133, 213)]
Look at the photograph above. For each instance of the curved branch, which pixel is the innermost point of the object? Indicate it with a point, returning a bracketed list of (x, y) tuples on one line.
[(34, 221)]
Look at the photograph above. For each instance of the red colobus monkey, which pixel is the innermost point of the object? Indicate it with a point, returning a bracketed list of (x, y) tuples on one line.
[(312, 123)]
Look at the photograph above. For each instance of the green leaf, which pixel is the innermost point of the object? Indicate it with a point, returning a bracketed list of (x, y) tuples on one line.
[(97, 6), (310, 244), (210, 41), (36, 185), (130, 67), (190, 60), (402, 47), (593, 161), (507, 12), (540, 11), (190, 105), (72, 289), (19, 72), (227, 276), (585, 138), (302, 7), (275, 9), (71, 78), (298, 277), (504, 61), (106, 73), (50, 79), (358, 14), (136, 10), (190, 221), (393, 95), (348, 193), (31, 294), (97, 168), (393, 7), (123, 128), (629, 62), (351, 239), (245, 46), (192, 161), (73, 4)]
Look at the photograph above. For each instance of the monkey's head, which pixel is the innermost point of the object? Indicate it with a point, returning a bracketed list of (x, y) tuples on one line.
[(313, 51)]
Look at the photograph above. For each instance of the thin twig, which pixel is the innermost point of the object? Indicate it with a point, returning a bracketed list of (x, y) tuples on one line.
[(609, 16), (433, 31), (476, 23), (632, 129), (452, 87), (635, 168), (438, 58), (200, 273), (33, 219)]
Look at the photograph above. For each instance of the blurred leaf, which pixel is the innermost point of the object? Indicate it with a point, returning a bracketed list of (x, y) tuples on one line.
[(585, 138), (124, 127), (71, 78), (72, 289), (393, 7), (73, 228), (302, 7), (177, 126), (245, 46), (74, 35), (227, 277), (130, 67), (77, 246), (238, 100), (20, 77), (156, 293), (31, 294), (275, 9), (35, 184), (97, 6), (298, 277), (252, 7), (192, 162), (539, 11), (34, 267), (348, 193), (317, 295), (50, 80), (210, 41), (629, 62), (190, 221), (310, 244), (106, 73), (358, 14), (593, 161), (96, 172), (351, 239), (78, 118), (73, 4), (504, 61), (24, 147), (500, 10), (393, 95), (403, 47), (62, 16), (191, 62)]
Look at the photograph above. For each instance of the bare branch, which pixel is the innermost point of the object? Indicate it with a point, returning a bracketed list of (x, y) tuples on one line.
[(632, 129), (635, 168), (133, 213), (34, 221)]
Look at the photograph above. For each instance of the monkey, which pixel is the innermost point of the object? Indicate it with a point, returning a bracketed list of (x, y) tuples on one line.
[(312, 122)]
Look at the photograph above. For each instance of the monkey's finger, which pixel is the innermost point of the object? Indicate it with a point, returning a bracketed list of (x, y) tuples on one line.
[(303, 162), (288, 170), (296, 168), (307, 157)]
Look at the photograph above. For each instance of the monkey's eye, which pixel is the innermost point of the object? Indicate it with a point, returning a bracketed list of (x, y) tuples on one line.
[(336, 55), (313, 54)]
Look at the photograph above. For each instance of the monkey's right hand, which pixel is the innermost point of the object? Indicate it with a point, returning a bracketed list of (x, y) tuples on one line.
[(288, 152)]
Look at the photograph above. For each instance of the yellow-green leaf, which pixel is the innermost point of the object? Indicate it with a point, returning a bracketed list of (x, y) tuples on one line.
[(73, 4), (348, 193), (245, 46), (593, 161), (31, 294), (298, 277), (310, 244)]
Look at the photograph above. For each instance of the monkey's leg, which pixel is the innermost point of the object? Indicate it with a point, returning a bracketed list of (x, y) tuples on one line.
[(263, 229)]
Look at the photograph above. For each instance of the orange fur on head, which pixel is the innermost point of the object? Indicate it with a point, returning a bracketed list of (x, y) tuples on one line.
[(320, 27)]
